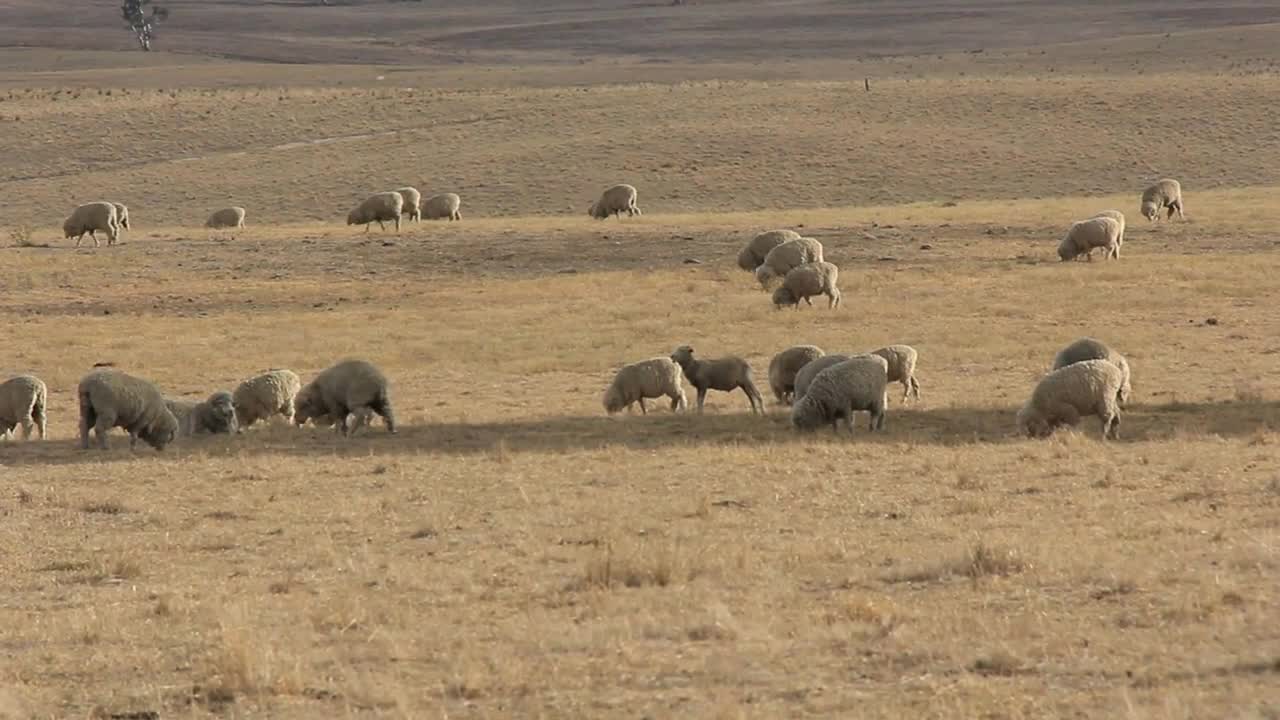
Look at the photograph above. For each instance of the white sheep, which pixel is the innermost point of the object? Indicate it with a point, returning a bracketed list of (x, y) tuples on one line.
[(805, 281), (110, 398), (122, 218), (784, 366), (1089, 387), (902, 368), (23, 401), (841, 390), (1087, 348), (379, 207), (725, 374), (412, 202), (1118, 217), (1083, 236), (231, 217), (1166, 193), (351, 387), (442, 206), (804, 378), (89, 218), (788, 255), (652, 378), (614, 201), (759, 246), (214, 415), (264, 395)]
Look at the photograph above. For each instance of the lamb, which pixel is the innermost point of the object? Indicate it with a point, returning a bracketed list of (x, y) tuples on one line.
[(841, 390), (231, 217), (264, 395), (1087, 348), (1118, 217), (110, 398), (1089, 387), (23, 401), (902, 368), (652, 378), (758, 248), (379, 207), (784, 366), (91, 217), (349, 387), (615, 200), (805, 377), (790, 254), (215, 415), (1082, 237), (805, 281), (412, 202), (122, 217), (1165, 194), (439, 207), (726, 374)]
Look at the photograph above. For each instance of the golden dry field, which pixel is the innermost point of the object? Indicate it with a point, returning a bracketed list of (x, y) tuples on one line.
[(513, 551)]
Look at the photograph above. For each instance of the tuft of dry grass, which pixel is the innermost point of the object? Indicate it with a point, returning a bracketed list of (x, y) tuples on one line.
[(978, 561)]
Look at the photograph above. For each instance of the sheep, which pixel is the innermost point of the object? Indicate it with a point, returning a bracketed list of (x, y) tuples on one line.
[(214, 415), (804, 378), (841, 390), (1088, 387), (784, 366), (1087, 348), (754, 253), (1166, 193), (412, 202), (1118, 217), (615, 201), (1083, 236), (111, 398), (902, 368), (89, 218), (805, 281), (349, 387), (444, 205), (377, 208), (23, 401), (264, 395), (122, 217), (231, 217), (790, 254), (652, 378), (726, 374)]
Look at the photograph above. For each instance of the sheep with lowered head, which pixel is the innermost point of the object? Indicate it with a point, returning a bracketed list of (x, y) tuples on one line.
[(902, 368), (213, 415), (351, 387), (111, 398), (265, 395), (91, 217), (23, 401), (725, 374), (442, 206), (1087, 348), (784, 366), (804, 378), (1088, 387), (231, 217), (841, 390), (786, 256), (805, 281), (652, 378), (614, 201), (759, 246), (1083, 236), (379, 207), (1165, 194), (412, 202)]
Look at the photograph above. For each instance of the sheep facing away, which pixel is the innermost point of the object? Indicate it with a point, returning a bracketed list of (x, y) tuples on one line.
[(784, 366), (1089, 387), (805, 281), (213, 415), (231, 217), (412, 202), (652, 378), (110, 398), (379, 207), (265, 395), (753, 255), (89, 218), (839, 391), (804, 378), (725, 374), (441, 207), (788, 255), (1118, 217), (122, 216), (23, 401), (1165, 194), (1083, 236), (902, 368), (1087, 348), (614, 201), (351, 387)]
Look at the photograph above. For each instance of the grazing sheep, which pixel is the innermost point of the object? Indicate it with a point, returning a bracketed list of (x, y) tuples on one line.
[(652, 378), (758, 248), (439, 207), (1088, 387), (1118, 217), (214, 415), (1165, 194), (725, 374), (89, 218), (412, 202), (262, 396), (805, 281), (23, 401), (902, 368), (351, 387), (122, 217), (232, 217), (110, 398), (804, 378), (1082, 237), (784, 366), (790, 254), (1087, 348), (379, 207), (615, 200), (841, 390)]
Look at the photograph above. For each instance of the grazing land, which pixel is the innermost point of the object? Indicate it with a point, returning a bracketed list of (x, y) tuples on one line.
[(512, 551)]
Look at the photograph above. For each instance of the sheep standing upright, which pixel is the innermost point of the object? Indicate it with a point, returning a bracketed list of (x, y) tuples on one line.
[(91, 217), (444, 206), (1165, 194), (1089, 387), (1082, 237), (379, 207), (23, 401), (805, 281), (725, 374), (902, 368), (759, 246), (412, 202), (110, 398), (614, 201), (787, 256), (231, 217), (841, 390), (652, 378), (349, 387), (784, 366), (1087, 348), (265, 395)]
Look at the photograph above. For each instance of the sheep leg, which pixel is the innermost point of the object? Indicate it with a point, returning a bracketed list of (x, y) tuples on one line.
[(915, 387), (383, 408), (42, 420), (397, 223), (753, 395), (702, 396), (87, 420), (643, 409), (678, 402), (1111, 426), (807, 301)]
